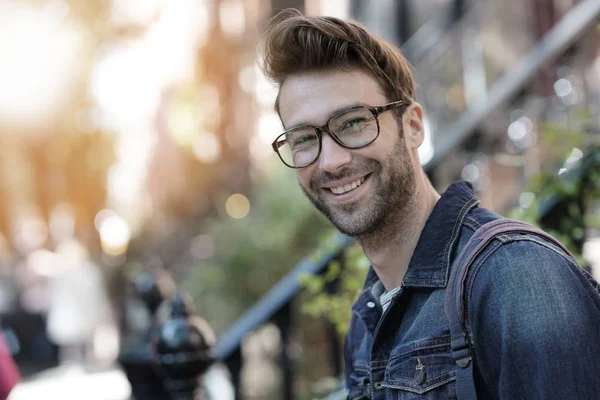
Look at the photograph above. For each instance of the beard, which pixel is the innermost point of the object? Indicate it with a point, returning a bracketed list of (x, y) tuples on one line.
[(393, 188)]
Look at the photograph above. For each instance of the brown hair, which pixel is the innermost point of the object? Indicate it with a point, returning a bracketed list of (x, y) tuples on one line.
[(294, 43)]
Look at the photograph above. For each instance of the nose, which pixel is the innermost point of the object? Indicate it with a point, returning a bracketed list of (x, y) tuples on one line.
[(333, 156)]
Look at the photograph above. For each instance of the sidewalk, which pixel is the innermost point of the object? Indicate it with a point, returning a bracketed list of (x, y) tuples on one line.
[(74, 382)]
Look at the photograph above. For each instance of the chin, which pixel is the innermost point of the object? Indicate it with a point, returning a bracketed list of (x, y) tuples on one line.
[(356, 225)]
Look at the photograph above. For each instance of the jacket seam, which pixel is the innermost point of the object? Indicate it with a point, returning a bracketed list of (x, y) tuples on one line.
[(408, 353), (405, 385), (455, 233), (541, 242), (472, 223)]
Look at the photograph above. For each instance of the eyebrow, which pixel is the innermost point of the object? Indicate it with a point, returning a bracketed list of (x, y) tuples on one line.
[(331, 114)]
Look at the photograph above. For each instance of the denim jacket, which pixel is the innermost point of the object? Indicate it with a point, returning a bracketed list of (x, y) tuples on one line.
[(534, 315)]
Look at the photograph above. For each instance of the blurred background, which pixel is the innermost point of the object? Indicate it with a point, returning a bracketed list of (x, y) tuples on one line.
[(135, 158)]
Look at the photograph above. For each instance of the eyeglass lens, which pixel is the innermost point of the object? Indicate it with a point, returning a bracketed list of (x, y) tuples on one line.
[(354, 128)]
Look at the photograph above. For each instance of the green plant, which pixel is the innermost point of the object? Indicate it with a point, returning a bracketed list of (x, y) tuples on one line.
[(345, 277)]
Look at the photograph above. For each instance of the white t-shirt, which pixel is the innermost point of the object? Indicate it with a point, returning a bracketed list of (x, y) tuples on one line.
[(385, 298)]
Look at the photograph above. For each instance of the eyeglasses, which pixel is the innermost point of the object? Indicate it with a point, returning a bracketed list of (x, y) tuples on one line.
[(354, 128)]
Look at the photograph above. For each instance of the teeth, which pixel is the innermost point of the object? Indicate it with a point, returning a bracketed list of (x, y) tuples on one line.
[(348, 187)]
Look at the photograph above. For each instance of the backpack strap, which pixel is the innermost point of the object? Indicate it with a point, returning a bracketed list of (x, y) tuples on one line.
[(461, 343)]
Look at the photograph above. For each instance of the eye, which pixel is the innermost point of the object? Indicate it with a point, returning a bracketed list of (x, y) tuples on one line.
[(354, 124), (304, 139)]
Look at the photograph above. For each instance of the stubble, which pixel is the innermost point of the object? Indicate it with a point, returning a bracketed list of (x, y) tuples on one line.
[(393, 188)]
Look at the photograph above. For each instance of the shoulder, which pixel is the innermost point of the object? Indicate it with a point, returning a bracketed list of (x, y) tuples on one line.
[(530, 304), (527, 281), (525, 260), (513, 256)]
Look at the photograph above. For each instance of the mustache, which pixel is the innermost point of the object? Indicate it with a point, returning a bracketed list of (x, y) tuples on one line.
[(325, 177)]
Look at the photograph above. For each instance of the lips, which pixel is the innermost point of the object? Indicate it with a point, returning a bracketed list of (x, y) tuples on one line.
[(348, 187), (345, 189)]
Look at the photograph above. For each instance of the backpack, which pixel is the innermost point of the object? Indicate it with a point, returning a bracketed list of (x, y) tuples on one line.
[(461, 344)]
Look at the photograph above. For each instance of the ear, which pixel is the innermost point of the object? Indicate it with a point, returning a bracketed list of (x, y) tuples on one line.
[(412, 123)]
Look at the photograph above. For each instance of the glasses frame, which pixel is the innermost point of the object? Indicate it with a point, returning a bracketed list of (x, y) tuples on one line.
[(319, 130)]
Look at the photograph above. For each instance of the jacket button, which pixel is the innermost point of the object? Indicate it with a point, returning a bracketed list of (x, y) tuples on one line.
[(420, 375)]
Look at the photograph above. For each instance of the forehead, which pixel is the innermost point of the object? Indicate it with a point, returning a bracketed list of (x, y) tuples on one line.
[(311, 98)]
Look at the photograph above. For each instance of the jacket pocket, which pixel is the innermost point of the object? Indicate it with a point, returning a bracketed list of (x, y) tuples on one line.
[(426, 372)]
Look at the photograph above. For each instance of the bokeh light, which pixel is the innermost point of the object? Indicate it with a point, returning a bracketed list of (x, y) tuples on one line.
[(102, 216), (232, 17), (206, 147), (114, 235), (36, 43), (202, 246), (30, 231), (237, 206), (62, 222), (42, 262)]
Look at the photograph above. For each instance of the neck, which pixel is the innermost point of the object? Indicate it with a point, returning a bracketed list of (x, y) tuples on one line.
[(390, 248)]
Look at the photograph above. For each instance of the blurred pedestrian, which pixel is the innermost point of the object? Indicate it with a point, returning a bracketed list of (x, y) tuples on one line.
[(78, 304)]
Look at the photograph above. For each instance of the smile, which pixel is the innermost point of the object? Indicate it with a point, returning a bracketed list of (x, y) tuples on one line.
[(348, 187)]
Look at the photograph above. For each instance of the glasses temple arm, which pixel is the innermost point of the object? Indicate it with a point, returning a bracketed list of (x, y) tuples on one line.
[(389, 106)]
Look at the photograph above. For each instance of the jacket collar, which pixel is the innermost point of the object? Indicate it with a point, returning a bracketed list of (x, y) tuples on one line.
[(430, 263)]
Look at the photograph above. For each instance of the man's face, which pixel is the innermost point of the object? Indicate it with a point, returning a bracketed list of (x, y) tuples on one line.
[(383, 170)]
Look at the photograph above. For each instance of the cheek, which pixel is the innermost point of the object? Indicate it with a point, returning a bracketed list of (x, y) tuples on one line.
[(304, 175), (389, 137), (382, 147)]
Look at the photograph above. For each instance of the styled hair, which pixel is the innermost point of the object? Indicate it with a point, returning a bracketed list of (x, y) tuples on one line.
[(294, 43)]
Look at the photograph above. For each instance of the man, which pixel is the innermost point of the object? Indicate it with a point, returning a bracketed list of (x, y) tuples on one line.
[(352, 130)]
